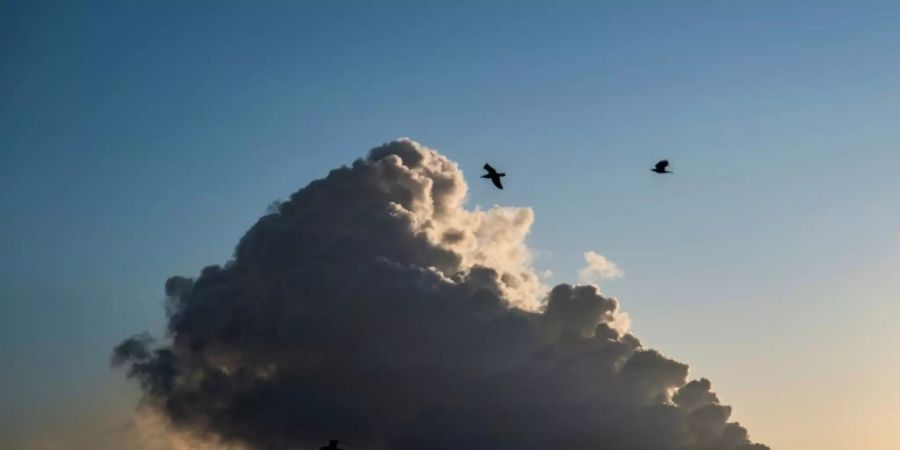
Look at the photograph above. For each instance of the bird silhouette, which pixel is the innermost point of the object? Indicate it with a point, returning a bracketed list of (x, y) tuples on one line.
[(333, 445), (660, 167), (493, 175)]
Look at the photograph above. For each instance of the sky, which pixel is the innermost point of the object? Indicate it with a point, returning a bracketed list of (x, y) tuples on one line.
[(140, 140)]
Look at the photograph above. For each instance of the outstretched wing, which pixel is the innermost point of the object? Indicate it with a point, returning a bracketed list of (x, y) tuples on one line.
[(661, 166), (496, 181), (490, 169)]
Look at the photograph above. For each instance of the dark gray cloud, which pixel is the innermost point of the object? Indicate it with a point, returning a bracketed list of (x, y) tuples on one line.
[(373, 307)]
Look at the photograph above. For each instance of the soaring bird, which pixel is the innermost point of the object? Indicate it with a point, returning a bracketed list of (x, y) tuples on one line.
[(493, 175), (333, 445), (660, 167)]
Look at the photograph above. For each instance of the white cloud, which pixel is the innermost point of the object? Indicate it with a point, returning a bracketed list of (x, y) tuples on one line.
[(372, 306), (598, 266)]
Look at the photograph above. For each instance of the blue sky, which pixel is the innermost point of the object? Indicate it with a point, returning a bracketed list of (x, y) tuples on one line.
[(141, 140)]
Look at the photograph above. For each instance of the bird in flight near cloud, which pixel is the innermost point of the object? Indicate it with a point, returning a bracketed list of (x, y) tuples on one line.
[(660, 167), (493, 175)]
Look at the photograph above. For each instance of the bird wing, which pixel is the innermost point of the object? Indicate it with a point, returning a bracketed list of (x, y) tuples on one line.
[(662, 164), (496, 181), (489, 168)]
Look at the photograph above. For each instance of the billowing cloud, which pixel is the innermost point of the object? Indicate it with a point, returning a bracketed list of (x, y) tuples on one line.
[(372, 307), (598, 267)]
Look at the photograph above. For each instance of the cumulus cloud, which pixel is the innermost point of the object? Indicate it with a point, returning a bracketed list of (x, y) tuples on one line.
[(373, 307), (598, 267)]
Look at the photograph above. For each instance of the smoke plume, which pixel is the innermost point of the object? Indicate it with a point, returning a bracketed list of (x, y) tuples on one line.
[(372, 307)]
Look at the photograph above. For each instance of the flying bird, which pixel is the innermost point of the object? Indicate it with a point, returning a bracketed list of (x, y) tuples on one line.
[(333, 445), (660, 167), (493, 175)]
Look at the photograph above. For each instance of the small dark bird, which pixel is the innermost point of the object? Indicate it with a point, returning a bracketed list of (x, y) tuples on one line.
[(660, 167), (333, 445), (493, 175)]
